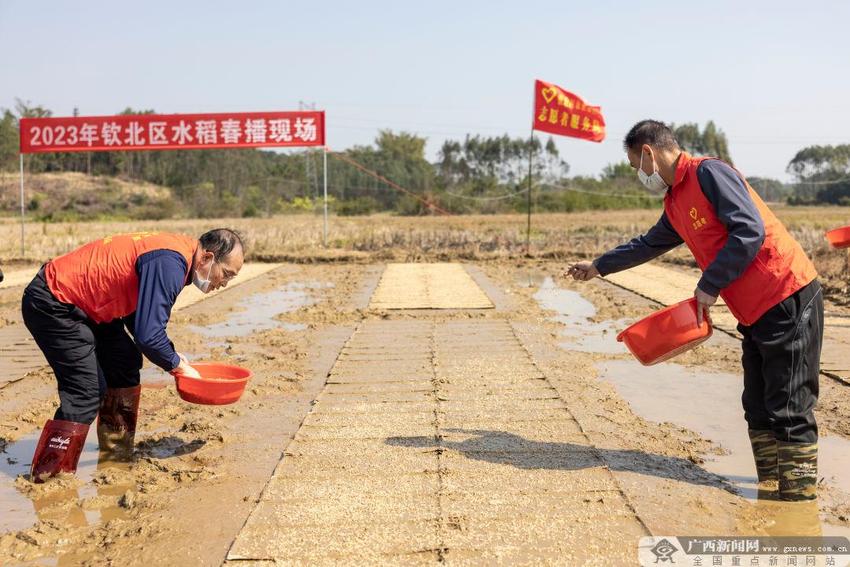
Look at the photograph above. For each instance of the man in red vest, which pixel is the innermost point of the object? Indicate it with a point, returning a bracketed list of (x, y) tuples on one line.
[(769, 284), (77, 309)]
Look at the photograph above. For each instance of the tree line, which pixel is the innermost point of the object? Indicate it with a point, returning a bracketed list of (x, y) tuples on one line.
[(476, 174)]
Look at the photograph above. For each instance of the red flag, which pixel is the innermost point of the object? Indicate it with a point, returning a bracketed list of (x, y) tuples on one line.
[(561, 112)]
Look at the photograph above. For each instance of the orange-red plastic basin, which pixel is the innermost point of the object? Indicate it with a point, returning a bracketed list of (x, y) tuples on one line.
[(839, 237), (219, 384), (666, 333)]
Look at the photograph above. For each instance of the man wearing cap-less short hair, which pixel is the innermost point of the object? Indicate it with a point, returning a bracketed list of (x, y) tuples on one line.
[(77, 309), (768, 283)]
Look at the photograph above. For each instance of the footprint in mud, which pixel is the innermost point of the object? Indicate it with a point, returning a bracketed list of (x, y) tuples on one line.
[(193, 435), (170, 446)]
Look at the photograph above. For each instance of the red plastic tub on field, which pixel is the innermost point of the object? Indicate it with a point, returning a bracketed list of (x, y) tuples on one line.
[(839, 237), (219, 384), (666, 333)]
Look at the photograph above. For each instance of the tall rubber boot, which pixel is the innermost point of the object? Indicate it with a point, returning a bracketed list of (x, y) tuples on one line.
[(765, 447), (58, 449), (798, 471), (116, 422)]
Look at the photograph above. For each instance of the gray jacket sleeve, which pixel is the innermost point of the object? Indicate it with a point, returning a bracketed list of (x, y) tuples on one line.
[(659, 239), (729, 196)]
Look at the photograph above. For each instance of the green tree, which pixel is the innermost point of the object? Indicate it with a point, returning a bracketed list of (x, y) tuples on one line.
[(619, 170), (823, 175), (711, 141), (821, 163), (8, 141), (482, 167), (399, 158)]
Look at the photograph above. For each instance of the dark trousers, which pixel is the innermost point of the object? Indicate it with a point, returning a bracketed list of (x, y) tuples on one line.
[(781, 362), (85, 357)]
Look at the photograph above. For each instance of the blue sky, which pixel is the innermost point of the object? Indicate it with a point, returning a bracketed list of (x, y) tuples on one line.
[(775, 76)]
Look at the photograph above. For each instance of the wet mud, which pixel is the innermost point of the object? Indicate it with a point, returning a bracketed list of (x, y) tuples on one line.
[(193, 463)]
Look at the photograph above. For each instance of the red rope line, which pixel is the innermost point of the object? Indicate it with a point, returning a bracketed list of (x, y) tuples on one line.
[(396, 186)]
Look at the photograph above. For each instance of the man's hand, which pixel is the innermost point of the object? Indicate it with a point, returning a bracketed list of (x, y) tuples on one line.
[(185, 369), (581, 271), (704, 303)]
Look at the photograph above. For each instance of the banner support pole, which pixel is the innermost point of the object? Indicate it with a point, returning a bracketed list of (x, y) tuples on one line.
[(528, 194), (325, 182), (22, 208)]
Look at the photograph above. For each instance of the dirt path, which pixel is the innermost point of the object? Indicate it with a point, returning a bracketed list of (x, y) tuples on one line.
[(428, 286), (447, 445)]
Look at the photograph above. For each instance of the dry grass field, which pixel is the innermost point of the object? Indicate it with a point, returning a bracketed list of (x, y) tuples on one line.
[(298, 238)]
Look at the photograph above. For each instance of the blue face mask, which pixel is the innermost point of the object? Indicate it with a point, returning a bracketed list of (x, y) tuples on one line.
[(203, 284)]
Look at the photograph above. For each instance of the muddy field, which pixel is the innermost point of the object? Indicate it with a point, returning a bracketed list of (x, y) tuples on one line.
[(200, 471)]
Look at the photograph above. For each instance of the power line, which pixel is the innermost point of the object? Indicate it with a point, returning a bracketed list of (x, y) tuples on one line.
[(599, 194), (559, 188), (342, 157), (497, 198), (833, 182)]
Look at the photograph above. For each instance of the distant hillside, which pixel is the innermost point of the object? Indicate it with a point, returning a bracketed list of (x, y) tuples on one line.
[(77, 196)]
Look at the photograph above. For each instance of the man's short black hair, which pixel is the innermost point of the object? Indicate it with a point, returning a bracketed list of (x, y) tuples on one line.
[(652, 132), (221, 242)]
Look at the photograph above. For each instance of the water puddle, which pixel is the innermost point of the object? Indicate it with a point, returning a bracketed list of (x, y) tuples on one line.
[(576, 314), (708, 403), (261, 310), (89, 503), (83, 505)]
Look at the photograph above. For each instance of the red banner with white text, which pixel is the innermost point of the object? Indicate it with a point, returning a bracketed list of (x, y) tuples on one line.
[(561, 112), (127, 132)]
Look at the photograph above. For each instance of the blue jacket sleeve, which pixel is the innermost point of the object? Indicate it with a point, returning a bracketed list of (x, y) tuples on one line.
[(726, 191), (162, 275), (659, 239)]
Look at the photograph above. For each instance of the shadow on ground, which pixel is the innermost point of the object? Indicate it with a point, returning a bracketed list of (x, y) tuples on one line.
[(503, 448)]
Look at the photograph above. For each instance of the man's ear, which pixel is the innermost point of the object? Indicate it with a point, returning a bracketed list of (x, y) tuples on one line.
[(207, 256)]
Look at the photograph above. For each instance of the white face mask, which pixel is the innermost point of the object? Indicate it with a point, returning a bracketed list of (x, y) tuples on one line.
[(652, 182), (203, 284)]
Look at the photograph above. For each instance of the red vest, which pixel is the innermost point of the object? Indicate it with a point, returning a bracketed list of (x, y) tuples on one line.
[(780, 267), (100, 278)]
